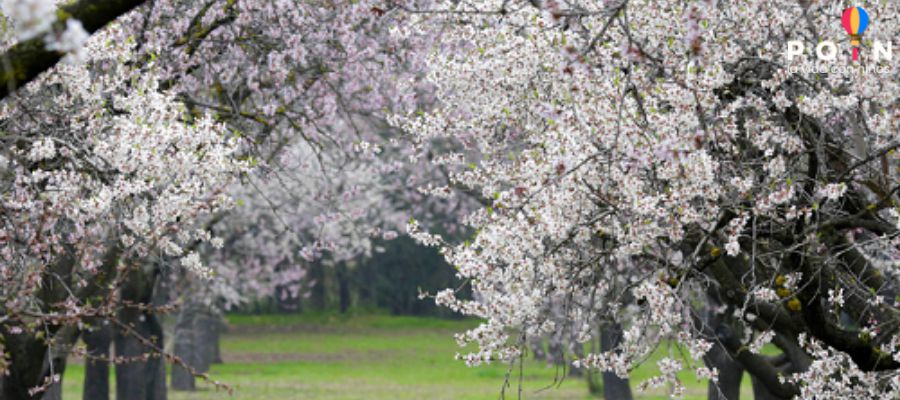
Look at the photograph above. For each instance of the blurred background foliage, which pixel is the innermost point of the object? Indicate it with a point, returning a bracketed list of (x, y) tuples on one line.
[(388, 281)]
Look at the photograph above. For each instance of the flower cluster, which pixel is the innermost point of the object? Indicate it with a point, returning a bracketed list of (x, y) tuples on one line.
[(32, 18)]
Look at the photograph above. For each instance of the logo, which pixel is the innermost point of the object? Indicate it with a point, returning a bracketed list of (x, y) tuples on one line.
[(855, 20)]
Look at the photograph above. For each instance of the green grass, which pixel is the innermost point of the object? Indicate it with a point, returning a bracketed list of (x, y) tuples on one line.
[(371, 320), (369, 357)]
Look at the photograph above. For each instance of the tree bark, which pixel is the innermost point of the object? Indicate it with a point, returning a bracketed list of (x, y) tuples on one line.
[(143, 379), (184, 349), (760, 392), (140, 380), (791, 360), (318, 298), (26, 355), (96, 371), (343, 281), (287, 299), (215, 335), (207, 325), (730, 374), (196, 343), (31, 361), (613, 386), (55, 362), (54, 392), (30, 365)]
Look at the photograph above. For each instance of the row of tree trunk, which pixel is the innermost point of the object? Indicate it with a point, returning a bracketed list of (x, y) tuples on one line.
[(138, 380), (137, 337), (132, 344), (196, 343)]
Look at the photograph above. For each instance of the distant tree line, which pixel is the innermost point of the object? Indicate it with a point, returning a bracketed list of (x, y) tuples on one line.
[(390, 280)]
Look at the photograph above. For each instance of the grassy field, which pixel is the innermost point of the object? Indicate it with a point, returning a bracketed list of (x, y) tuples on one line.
[(367, 357)]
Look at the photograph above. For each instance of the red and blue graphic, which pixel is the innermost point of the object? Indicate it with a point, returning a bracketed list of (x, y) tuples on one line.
[(855, 21)]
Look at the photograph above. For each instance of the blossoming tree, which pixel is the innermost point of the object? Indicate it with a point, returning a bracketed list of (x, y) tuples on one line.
[(660, 166), (119, 162), (663, 166)]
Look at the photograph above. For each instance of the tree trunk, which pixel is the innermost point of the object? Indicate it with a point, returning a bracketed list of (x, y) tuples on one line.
[(196, 343), (287, 298), (343, 281), (555, 349), (216, 337), (760, 392), (536, 344), (25, 370), (140, 380), (613, 386), (207, 325), (96, 372), (59, 356), (785, 365), (144, 378), (36, 356), (30, 364), (578, 353), (184, 334), (318, 298), (54, 392), (730, 374)]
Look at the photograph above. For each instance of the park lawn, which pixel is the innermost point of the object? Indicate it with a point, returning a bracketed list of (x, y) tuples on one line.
[(371, 357)]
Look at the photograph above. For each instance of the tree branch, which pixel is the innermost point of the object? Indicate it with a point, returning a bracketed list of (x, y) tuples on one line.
[(24, 61), (757, 365)]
